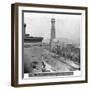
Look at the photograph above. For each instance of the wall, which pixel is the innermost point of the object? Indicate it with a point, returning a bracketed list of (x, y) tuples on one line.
[(5, 45)]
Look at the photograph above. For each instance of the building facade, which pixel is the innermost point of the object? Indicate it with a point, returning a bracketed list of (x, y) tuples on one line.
[(32, 53)]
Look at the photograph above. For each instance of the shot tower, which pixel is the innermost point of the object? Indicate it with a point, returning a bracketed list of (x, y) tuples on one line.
[(53, 34)]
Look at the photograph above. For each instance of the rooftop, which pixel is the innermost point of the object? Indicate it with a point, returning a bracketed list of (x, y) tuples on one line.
[(33, 39)]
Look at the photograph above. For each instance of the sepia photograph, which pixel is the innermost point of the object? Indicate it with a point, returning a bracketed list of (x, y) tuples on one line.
[(51, 43)]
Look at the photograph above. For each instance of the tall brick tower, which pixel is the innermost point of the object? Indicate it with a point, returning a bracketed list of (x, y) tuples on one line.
[(53, 35)]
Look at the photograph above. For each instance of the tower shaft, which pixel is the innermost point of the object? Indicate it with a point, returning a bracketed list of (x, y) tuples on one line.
[(53, 34)]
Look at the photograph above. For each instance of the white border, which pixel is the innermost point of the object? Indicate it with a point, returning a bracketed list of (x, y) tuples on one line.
[(54, 79)]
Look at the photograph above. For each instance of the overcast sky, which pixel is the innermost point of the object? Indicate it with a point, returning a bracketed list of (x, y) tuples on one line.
[(66, 26)]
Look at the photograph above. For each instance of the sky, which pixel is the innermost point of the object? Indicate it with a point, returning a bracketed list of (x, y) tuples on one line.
[(66, 25)]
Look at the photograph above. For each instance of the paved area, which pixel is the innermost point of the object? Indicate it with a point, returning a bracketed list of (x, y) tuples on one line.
[(52, 63)]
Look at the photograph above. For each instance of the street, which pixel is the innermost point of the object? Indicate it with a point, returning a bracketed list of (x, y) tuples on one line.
[(54, 64)]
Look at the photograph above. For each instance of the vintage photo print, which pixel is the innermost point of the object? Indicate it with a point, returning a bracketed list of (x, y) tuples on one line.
[(51, 44)]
